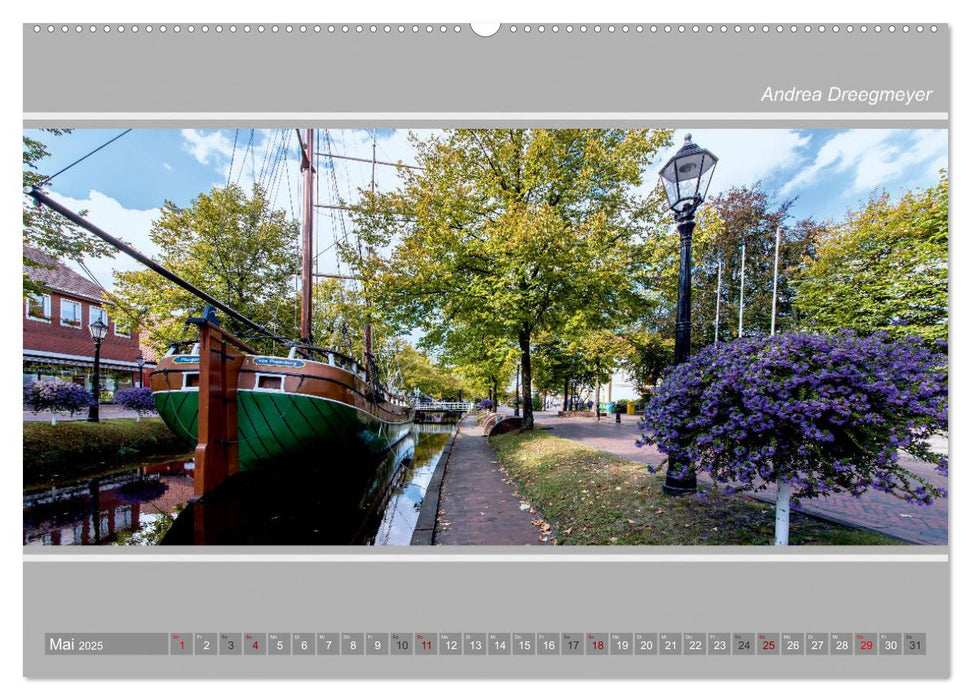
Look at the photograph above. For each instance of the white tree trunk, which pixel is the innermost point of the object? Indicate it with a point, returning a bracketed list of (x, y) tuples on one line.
[(782, 515), (53, 418)]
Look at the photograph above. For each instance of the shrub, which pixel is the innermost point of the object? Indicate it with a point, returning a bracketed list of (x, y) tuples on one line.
[(55, 397), (137, 399), (485, 404), (814, 413), (70, 450)]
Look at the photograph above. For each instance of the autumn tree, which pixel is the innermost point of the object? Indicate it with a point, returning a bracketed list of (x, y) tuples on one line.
[(232, 246), (521, 226), (883, 269), (747, 214)]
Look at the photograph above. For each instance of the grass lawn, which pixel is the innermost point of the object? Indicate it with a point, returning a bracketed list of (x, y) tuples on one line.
[(593, 497), (72, 450)]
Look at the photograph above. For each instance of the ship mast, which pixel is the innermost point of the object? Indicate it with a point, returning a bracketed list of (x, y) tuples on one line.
[(306, 275), (368, 330)]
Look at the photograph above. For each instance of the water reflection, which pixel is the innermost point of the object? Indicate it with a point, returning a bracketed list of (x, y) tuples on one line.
[(126, 507), (345, 499)]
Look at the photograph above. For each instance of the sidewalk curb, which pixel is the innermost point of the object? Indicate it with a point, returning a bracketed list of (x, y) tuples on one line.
[(424, 532)]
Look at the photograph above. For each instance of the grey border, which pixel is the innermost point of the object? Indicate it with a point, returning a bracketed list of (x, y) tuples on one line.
[(439, 72)]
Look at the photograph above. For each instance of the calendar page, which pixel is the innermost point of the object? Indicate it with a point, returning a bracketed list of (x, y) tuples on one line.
[(519, 351)]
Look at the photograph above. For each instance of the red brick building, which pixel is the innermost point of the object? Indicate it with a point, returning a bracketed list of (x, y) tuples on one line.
[(57, 343)]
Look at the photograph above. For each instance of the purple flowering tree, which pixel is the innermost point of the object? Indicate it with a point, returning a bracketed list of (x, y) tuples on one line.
[(485, 405), (56, 396), (813, 413), (138, 399)]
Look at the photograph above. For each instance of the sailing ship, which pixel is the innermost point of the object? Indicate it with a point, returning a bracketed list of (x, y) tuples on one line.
[(313, 400)]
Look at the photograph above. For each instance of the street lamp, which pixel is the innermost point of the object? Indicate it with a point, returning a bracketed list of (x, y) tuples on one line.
[(686, 178), (98, 329), (140, 361)]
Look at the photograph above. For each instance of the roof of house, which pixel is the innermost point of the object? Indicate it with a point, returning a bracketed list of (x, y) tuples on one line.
[(55, 276)]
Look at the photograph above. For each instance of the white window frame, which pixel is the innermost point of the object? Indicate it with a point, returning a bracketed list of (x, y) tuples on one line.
[(101, 313), (45, 302), (80, 313), (122, 334), (281, 377), (185, 381)]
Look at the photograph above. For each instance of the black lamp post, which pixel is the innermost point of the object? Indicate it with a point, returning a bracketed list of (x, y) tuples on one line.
[(98, 329), (140, 360), (686, 178)]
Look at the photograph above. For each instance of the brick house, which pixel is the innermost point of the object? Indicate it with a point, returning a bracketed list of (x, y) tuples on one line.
[(57, 343)]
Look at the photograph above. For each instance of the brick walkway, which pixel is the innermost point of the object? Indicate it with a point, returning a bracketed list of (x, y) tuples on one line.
[(479, 504), (874, 510)]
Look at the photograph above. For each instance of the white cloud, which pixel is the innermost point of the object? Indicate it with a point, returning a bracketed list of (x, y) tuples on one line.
[(207, 147), (131, 225), (167, 167), (873, 157)]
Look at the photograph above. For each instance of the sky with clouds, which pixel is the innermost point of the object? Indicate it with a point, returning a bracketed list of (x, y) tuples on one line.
[(123, 186)]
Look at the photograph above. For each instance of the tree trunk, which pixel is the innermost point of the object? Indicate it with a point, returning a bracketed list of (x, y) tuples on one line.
[(526, 381), (782, 514), (566, 394), (596, 399)]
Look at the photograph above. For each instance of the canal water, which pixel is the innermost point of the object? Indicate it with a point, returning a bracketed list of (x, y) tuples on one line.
[(344, 499)]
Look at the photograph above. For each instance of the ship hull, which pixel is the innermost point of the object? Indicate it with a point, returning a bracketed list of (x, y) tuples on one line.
[(310, 410)]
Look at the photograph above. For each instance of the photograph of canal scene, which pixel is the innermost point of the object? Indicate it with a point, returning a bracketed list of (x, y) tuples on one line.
[(519, 337)]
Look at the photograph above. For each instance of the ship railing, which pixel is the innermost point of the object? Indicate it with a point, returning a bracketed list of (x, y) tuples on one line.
[(331, 357)]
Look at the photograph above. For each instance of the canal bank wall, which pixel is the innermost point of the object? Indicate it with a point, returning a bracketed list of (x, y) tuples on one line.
[(475, 502), (424, 533)]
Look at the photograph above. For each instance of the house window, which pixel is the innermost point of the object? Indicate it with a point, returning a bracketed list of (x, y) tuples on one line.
[(122, 329), (95, 313), (39, 307), (70, 313)]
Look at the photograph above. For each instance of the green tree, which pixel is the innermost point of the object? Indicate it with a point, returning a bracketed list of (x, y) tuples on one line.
[(233, 246), (420, 372), (883, 269), (47, 230), (522, 227), (648, 355)]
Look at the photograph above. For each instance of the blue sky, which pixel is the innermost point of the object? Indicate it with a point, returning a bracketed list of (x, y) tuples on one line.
[(122, 186)]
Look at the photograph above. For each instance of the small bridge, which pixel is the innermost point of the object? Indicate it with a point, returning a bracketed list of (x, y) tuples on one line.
[(453, 406), (441, 411)]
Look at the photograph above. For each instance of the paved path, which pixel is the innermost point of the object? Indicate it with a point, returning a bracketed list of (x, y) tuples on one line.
[(479, 503), (874, 510)]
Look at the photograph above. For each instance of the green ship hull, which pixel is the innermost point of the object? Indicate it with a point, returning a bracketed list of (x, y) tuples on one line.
[(277, 427)]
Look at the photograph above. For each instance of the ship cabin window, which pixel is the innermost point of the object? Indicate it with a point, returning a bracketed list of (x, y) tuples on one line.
[(269, 382), (190, 380)]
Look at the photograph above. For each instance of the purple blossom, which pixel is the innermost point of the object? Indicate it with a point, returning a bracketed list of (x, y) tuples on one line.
[(827, 413), (56, 396)]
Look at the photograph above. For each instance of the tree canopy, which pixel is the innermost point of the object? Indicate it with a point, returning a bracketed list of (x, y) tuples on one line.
[(233, 246), (883, 269), (47, 230), (518, 227)]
